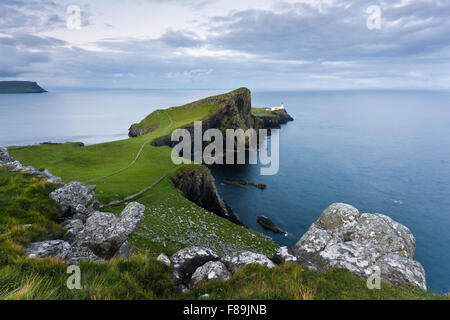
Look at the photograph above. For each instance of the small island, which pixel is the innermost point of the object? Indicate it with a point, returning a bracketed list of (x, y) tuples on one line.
[(20, 87)]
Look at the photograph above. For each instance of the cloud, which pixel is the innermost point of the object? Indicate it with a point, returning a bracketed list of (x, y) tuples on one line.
[(35, 15), (307, 44)]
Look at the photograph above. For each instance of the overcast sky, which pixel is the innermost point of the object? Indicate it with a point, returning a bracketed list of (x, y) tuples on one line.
[(303, 44)]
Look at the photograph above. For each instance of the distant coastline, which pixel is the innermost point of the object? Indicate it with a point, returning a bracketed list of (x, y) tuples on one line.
[(12, 87)]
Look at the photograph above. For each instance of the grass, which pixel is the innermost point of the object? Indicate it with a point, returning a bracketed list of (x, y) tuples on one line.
[(27, 214), (293, 282), (171, 221), (262, 112)]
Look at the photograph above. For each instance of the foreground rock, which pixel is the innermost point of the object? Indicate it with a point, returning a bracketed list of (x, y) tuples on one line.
[(61, 250), (4, 155), (7, 161), (210, 271), (186, 261), (76, 198), (104, 233), (344, 238), (103, 236), (238, 260), (194, 265)]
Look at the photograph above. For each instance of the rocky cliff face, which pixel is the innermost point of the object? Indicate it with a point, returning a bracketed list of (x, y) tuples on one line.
[(273, 121), (197, 185), (234, 112)]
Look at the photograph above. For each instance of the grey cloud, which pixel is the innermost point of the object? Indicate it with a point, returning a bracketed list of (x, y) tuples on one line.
[(302, 31), (35, 15)]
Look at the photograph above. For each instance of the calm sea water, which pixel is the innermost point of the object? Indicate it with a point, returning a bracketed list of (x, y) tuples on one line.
[(385, 152)]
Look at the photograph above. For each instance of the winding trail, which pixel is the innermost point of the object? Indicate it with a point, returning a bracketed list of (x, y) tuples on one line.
[(115, 202), (135, 159)]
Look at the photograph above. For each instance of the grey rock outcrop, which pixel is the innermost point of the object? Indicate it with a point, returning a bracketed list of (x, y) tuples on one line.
[(16, 166), (4, 156), (193, 265), (186, 261), (76, 197), (104, 233), (344, 238), (238, 260), (210, 271), (284, 254), (61, 250)]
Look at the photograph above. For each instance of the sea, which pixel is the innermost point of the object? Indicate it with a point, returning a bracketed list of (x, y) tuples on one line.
[(381, 151)]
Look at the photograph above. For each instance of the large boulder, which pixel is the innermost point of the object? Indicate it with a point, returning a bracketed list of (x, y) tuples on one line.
[(238, 260), (186, 261), (76, 197), (210, 271), (104, 233), (4, 156), (344, 238)]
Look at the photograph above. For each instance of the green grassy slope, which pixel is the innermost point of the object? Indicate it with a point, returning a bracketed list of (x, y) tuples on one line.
[(27, 214), (172, 222)]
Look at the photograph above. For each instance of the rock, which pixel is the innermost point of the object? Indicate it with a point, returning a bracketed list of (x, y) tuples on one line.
[(4, 156), (186, 261), (238, 260), (210, 271), (283, 255), (53, 248), (397, 269), (45, 174), (164, 259), (268, 224), (73, 226), (81, 254), (104, 233), (338, 215), (344, 238), (61, 250), (76, 197), (124, 251)]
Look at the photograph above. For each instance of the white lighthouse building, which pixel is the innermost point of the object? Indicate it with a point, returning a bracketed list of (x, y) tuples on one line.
[(276, 108)]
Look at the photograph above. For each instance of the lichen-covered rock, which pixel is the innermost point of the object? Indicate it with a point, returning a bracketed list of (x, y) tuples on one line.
[(4, 156), (16, 166), (104, 233), (186, 261), (53, 248), (238, 260), (61, 250), (397, 269), (284, 254), (210, 271), (344, 238), (76, 197), (164, 259), (73, 226)]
